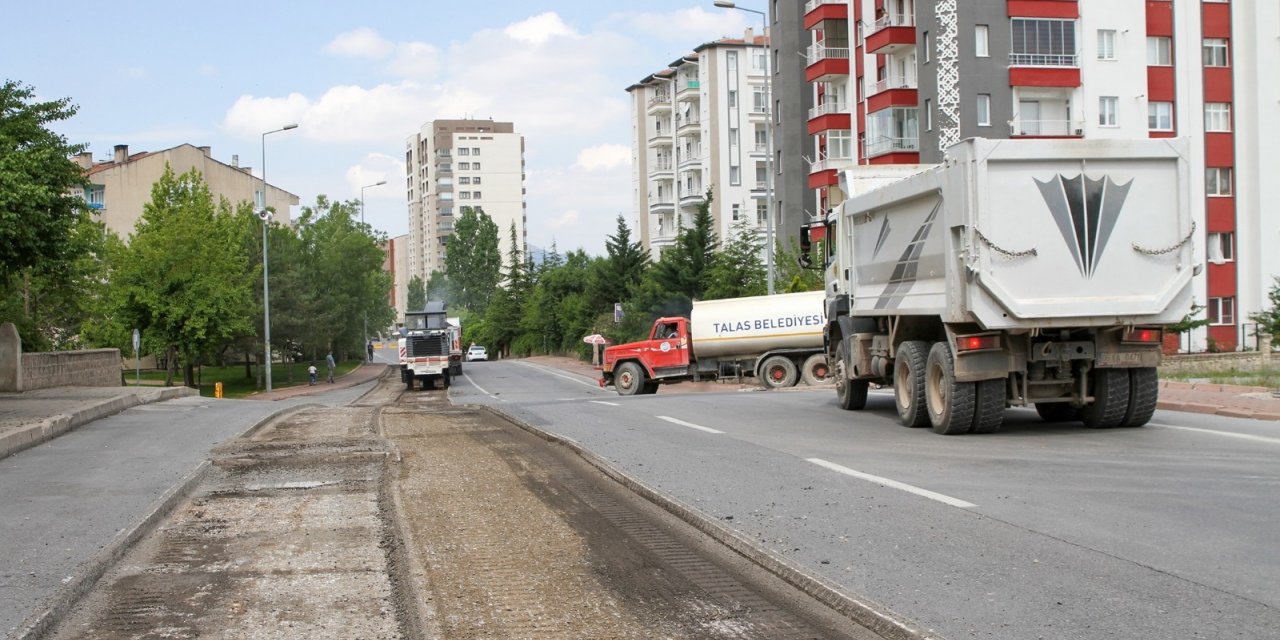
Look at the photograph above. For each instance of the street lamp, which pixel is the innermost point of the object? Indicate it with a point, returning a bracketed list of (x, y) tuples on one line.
[(367, 186), (265, 214), (768, 83)]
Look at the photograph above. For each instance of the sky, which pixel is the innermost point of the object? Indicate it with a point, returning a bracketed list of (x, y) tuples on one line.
[(359, 78)]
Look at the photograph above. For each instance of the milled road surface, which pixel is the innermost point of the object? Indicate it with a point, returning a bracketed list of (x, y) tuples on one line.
[(401, 516)]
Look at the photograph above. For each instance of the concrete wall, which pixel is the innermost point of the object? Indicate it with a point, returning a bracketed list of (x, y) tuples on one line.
[(1210, 362), (28, 371)]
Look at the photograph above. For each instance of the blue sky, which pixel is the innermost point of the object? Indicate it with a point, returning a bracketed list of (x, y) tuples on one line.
[(359, 78)]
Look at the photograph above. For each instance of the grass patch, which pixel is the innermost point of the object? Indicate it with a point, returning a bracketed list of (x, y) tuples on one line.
[(234, 382), (1260, 378)]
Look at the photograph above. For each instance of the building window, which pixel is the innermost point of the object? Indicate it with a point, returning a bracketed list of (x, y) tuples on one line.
[(1220, 248), (735, 179), (924, 46), (475, 180), (1217, 181), (731, 62), (981, 41), (1107, 110), (464, 166), (733, 137), (759, 99), (984, 109), (762, 212), (1043, 42), (840, 144), (928, 114), (475, 166), (475, 195), (463, 151), (757, 60), (475, 151), (1106, 44), (462, 195), (733, 98), (95, 195), (1217, 116), (462, 180), (1215, 52), (737, 209), (1159, 51), (1160, 116), (1222, 311)]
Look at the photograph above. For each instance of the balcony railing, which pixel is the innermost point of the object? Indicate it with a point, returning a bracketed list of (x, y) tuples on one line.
[(891, 83), (660, 165), (660, 99), (659, 205), (822, 164), (690, 121), (827, 108), (1043, 60), (891, 20), (760, 147), (814, 4), (1046, 128), (821, 51), (881, 146)]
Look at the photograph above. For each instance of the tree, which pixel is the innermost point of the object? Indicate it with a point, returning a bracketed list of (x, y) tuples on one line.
[(614, 278), (417, 296), (180, 280), (473, 263), (791, 277), (1268, 319), (683, 268), (502, 316), (737, 270)]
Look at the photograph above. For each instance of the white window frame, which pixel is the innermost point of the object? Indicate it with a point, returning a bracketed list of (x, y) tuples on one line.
[(737, 209), (1106, 44), (984, 109), (735, 179), (463, 151), (1217, 117), (1216, 52), (1217, 182), (1220, 247), (1159, 51), (1107, 107), (924, 44), (928, 114), (982, 41), (1221, 311), (1155, 116)]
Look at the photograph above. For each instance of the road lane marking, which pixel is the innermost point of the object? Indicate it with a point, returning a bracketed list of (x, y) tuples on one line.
[(482, 389), (612, 404), (1228, 434), (593, 385), (689, 424), (893, 484)]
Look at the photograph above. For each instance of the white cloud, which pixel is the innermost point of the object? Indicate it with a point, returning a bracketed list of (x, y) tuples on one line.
[(208, 70), (252, 116), (539, 29), (361, 43), (375, 168), (690, 26), (564, 220), (415, 60), (605, 156)]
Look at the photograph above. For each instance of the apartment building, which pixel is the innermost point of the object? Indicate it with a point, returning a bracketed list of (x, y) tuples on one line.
[(899, 81), (452, 164), (702, 124), (788, 41), (120, 187)]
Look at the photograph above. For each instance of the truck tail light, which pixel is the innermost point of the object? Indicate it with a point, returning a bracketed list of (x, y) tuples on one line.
[(977, 343), (1144, 335)]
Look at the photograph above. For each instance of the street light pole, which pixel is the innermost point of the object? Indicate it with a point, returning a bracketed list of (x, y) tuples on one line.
[(265, 215), (768, 162), (367, 186)]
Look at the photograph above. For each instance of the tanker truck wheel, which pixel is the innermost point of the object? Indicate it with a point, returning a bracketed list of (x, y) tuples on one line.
[(908, 383), (950, 403), (629, 380), (1110, 399), (815, 370), (778, 372)]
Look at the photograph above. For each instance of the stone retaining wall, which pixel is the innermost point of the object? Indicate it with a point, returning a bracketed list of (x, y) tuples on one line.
[(1206, 362), (27, 371)]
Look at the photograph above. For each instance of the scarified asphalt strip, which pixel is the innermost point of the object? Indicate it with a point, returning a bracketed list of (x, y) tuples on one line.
[(871, 615), (88, 574)]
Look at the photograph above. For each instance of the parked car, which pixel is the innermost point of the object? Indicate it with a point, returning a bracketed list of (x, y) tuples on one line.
[(477, 352)]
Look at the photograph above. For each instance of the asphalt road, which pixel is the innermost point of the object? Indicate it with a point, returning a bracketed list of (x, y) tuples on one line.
[(1039, 531)]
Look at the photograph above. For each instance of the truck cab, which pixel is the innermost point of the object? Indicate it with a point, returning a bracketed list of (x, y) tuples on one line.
[(636, 368)]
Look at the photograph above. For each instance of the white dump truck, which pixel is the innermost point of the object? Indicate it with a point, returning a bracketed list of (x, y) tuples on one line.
[(1015, 273), (426, 347), (778, 339)]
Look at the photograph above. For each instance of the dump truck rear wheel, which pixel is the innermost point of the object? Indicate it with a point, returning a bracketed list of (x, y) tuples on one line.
[(629, 380), (1144, 391), (1110, 399), (988, 409), (950, 403), (778, 372), (908, 383), (815, 370)]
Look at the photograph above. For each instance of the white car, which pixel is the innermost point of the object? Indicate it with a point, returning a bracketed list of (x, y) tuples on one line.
[(477, 352)]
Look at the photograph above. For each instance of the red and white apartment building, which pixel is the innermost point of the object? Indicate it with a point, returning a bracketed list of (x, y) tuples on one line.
[(898, 81)]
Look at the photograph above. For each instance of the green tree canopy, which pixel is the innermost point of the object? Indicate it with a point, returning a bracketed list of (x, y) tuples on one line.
[(682, 269), (738, 270), (473, 263), (614, 278)]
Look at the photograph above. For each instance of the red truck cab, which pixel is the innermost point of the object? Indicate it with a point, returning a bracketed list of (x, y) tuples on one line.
[(636, 368)]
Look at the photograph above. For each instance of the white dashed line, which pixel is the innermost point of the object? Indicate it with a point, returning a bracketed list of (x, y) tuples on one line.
[(482, 389), (611, 404), (689, 424), (1226, 434), (893, 484)]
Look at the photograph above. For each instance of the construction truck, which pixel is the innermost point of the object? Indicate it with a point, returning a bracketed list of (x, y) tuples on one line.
[(454, 326), (425, 347), (776, 339), (1015, 273)]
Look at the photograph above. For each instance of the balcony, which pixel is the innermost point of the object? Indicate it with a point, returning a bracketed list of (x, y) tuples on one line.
[(884, 146), (1044, 70), (890, 34), (661, 206), (693, 197), (760, 149), (829, 115), (828, 164), (660, 167), (1046, 128), (827, 61), (660, 103), (692, 159), (688, 89), (659, 139), (816, 11), (688, 124)]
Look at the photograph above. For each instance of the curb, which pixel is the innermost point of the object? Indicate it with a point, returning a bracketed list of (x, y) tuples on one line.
[(877, 618), (88, 574), (49, 428)]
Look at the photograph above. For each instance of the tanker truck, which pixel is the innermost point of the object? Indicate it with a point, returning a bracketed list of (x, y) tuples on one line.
[(1015, 273), (777, 339)]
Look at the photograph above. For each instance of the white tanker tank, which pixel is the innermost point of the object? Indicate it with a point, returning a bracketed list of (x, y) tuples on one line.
[(749, 327)]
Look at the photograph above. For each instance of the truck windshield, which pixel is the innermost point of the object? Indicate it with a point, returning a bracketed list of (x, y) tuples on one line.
[(415, 323)]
